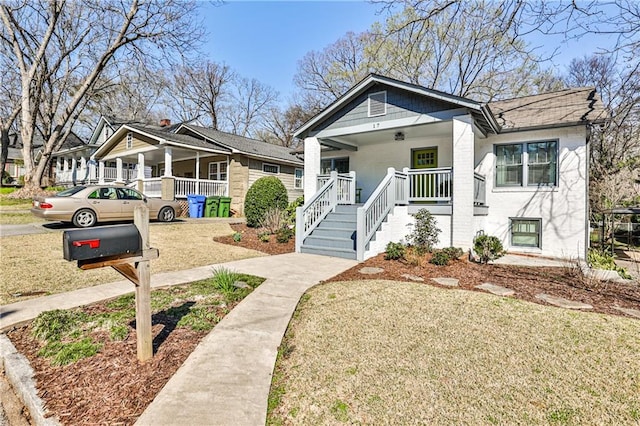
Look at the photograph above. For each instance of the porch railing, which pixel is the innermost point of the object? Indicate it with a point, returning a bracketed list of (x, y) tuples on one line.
[(336, 189), (479, 190), (346, 186), (152, 187), (186, 186), (430, 184), (392, 190)]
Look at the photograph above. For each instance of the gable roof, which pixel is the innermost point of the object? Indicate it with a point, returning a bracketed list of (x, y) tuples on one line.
[(567, 107), (241, 144)]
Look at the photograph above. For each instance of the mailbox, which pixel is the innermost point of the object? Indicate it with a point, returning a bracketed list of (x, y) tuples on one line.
[(95, 243)]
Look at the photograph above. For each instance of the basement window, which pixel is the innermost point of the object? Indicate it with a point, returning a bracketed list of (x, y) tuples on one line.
[(377, 104), (526, 232)]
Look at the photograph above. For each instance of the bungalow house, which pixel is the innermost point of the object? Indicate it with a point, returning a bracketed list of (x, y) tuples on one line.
[(174, 161), (516, 169)]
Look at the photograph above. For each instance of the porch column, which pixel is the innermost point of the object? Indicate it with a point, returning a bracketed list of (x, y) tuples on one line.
[(74, 170), (58, 170), (463, 160), (197, 172), (83, 168), (119, 178), (168, 158), (311, 167), (92, 170), (140, 176), (65, 164), (100, 172)]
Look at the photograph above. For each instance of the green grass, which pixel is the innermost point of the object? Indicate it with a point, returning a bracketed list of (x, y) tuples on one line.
[(70, 335)]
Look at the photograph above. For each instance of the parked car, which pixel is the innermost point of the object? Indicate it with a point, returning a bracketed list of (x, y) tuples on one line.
[(84, 206)]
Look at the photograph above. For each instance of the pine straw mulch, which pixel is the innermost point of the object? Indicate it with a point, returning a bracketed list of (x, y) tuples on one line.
[(113, 388)]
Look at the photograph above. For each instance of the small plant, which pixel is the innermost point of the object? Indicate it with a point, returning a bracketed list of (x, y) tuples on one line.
[(600, 260), (425, 233), (274, 219), (237, 237), (453, 252), (395, 251), (440, 258), (224, 279), (488, 247), (69, 352), (264, 236), (291, 210), (53, 325), (284, 235), (413, 256)]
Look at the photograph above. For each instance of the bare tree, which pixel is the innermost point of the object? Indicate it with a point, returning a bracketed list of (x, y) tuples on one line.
[(251, 103), (9, 105), (202, 92), (281, 124), (62, 48)]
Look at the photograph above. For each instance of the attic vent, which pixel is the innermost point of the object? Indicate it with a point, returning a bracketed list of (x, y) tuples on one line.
[(377, 104)]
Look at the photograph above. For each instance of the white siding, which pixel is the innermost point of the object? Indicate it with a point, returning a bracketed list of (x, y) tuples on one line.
[(563, 209)]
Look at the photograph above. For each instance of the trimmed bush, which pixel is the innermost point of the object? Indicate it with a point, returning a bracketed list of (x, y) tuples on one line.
[(394, 251), (440, 258), (488, 247), (266, 193)]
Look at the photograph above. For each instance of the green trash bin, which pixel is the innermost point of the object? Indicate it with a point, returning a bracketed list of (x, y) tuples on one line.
[(211, 207), (225, 207)]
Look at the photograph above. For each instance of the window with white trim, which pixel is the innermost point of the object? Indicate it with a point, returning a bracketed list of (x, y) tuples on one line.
[(377, 104), (218, 170), (272, 169), (129, 140), (527, 164), (526, 232), (298, 178)]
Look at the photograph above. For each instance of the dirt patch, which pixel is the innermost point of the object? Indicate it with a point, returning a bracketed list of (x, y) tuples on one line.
[(527, 282)]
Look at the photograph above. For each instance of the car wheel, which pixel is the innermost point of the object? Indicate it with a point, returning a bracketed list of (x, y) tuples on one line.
[(84, 218), (166, 214)]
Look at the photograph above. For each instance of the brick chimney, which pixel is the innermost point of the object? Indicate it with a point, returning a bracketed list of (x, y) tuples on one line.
[(165, 122)]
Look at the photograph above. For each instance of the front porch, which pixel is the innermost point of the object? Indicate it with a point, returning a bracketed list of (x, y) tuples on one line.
[(349, 231)]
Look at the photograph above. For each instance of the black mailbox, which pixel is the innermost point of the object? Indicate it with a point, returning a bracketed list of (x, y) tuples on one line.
[(94, 243)]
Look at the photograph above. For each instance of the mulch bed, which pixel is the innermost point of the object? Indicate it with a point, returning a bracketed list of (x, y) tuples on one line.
[(113, 388)]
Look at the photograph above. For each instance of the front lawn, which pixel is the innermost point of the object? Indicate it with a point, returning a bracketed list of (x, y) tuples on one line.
[(388, 352)]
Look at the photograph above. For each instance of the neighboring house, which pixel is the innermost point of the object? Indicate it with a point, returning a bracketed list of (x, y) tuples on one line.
[(175, 161), (516, 169), (72, 148)]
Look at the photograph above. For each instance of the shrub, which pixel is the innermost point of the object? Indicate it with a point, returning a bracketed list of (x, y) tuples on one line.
[(601, 260), (284, 235), (395, 251), (488, 247), (453, 252), (264, 237), (440, 258), (291, 210), (274, 219), (425, 233), (266, 193)]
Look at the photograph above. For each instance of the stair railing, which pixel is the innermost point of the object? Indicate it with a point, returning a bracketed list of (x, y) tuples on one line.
[(392, 190), (309, 216)]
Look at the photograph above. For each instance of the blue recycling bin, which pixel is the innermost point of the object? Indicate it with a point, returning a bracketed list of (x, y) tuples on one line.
[(196, 205)]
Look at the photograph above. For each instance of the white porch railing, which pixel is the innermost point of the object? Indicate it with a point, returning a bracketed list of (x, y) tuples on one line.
[(186, 186), (152, 187), (346, 186), (336, 189), (391, 191), (479, 190), (430, 184)]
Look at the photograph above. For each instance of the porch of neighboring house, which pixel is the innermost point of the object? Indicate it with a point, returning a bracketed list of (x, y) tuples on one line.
[(168, 173)]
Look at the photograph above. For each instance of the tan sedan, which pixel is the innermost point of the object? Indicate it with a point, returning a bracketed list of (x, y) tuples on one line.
[(85, 206)]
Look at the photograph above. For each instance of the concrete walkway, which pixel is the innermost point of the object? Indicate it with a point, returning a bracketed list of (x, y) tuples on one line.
[(226, 380)]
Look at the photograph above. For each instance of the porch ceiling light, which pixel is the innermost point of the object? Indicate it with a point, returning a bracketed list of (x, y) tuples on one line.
[(399, 136)]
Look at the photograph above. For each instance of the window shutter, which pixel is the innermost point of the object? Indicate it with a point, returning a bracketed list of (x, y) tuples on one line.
[(377, 104)]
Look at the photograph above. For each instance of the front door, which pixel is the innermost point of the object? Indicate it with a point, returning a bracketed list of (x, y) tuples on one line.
[(424, 185)]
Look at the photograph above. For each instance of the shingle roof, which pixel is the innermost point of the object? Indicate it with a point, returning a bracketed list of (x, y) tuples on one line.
[(245, 145), (176, 138), (561, 108)]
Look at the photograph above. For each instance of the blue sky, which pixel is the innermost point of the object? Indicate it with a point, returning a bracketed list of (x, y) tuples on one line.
[(266, 39)]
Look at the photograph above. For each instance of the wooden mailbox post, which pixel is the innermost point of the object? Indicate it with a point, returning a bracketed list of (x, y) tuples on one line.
[(95, 248)]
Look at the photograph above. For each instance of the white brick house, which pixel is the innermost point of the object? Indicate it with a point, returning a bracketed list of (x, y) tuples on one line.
[(516, 169)]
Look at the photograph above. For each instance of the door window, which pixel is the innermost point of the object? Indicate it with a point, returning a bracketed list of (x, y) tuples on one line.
[(425, 158)]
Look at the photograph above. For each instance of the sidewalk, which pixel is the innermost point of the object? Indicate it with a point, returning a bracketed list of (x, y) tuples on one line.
[(226, 380)]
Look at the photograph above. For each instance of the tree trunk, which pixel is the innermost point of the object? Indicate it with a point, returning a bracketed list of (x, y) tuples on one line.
[(4, 139)]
